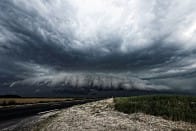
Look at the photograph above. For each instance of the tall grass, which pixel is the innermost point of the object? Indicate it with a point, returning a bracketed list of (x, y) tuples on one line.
[(169, 107)]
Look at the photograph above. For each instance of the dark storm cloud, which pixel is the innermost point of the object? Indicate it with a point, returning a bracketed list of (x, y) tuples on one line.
[(149, 42)]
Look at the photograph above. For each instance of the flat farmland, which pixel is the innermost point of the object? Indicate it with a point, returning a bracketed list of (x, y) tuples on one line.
[(22, 101)]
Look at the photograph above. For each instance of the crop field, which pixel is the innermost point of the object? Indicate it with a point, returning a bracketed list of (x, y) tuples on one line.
[(21, 101), (169, 107)]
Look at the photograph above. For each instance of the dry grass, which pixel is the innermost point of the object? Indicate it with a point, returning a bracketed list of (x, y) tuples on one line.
[(21, 101)]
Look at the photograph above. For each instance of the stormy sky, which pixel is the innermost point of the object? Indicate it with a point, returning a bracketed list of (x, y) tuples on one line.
[(87, 46)]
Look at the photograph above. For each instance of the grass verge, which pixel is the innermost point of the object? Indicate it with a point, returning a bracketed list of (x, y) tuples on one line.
[(169, 107)]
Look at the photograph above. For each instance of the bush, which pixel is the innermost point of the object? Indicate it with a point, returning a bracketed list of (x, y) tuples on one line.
[(11, 102), (4, 103)]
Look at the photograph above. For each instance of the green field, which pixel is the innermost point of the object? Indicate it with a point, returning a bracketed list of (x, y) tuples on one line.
[(169, 107)]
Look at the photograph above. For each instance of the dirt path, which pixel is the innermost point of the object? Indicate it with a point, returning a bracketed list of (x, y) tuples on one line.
[(101, 116)]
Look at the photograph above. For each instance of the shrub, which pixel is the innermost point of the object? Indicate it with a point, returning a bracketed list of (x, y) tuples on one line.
[(11, 102)]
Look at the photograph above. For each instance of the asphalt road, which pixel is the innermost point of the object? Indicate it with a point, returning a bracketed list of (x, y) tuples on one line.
[(14, 117), (16, 122)]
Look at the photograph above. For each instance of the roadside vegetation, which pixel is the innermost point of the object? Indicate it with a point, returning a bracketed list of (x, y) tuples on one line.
[(21, 101), (169, 107)]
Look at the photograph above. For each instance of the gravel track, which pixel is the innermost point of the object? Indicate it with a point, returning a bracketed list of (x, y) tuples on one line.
[(101, 116)]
